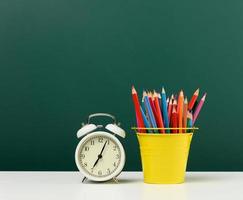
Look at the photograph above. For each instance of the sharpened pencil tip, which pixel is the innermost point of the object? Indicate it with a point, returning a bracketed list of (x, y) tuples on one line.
[(189, 114), (133, 90), (204, 97), (163, 90), (196, 92), (144, 93)]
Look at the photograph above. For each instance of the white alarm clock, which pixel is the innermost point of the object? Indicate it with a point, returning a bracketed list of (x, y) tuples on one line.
[(99, 155)]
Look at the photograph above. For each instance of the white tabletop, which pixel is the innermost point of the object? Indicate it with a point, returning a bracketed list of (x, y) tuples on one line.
[(68, 186)]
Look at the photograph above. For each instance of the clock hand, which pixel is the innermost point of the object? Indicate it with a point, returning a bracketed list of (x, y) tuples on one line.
[(100, 155), (96, 162), (103, 148)]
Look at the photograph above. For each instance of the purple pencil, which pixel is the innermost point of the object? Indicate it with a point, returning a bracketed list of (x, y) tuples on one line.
[(198, 108)]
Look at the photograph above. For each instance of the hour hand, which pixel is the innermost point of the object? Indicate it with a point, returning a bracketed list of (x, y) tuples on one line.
[(99, 157)]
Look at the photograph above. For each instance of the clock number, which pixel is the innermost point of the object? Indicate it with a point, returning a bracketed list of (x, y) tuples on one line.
[(82, 156), (86, 148), (92, 142), (108, 142), (85, 164), (108, 171), (100, 140), (117, 156), (114, 164), (99, 172), (114, 148)]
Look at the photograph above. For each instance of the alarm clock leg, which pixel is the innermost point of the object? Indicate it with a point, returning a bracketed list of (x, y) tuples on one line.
[(115, 179), (83, 179)]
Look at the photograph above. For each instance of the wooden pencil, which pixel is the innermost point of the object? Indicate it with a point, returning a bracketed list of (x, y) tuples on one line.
[(174, 120), (198, 108), (139, 116), (150, 111), (180, 110), (164, 110), (189, 121), (159, 115), (185, 115), (169, 110), (193, 99)]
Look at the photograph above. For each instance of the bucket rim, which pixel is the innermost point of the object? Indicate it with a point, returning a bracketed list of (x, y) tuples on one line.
[(163, 134)]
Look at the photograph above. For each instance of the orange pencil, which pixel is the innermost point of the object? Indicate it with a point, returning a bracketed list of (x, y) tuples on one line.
[(193, 99), (185, 114), (158, 115), (180, 109), (139, 116)]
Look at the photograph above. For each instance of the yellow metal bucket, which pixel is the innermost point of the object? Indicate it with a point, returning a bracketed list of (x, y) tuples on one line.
[(164, 156)]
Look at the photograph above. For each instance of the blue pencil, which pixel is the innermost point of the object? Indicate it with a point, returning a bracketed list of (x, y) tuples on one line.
[(149, 109), (164, 110), (146, 122), (189, 121)]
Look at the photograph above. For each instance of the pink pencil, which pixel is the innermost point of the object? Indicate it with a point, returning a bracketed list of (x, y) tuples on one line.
[(198, 108)]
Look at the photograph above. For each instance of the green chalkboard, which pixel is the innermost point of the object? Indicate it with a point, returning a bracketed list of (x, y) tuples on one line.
[(61, 60)]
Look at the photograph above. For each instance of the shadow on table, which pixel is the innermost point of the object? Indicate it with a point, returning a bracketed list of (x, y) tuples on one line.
[(202, 178), (119, 181)]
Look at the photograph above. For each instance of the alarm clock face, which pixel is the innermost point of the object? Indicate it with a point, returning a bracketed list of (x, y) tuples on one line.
[(100, 156)]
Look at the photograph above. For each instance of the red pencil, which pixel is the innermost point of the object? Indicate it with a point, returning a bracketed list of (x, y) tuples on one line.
[(174, 120), (180, 109), (193, 99), (170, 109), (151, 101), (174, 105), (139, 116), (159, 118)]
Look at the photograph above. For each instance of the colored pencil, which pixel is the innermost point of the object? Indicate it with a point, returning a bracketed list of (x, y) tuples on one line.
[(139, 116), (174, 120), (159, 96), (189, 121), (172, 97), (149, 109), (159, 115), (143, 106), (164, 109), (174, 105), (198, 108), (193, 99), (180, 109), (146, 122), (185, 114), (151, 101), (155, 112), (194, 106), (169, 110)]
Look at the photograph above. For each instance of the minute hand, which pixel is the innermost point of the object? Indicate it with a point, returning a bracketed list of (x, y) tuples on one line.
[(103, 148), (100, 155)]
